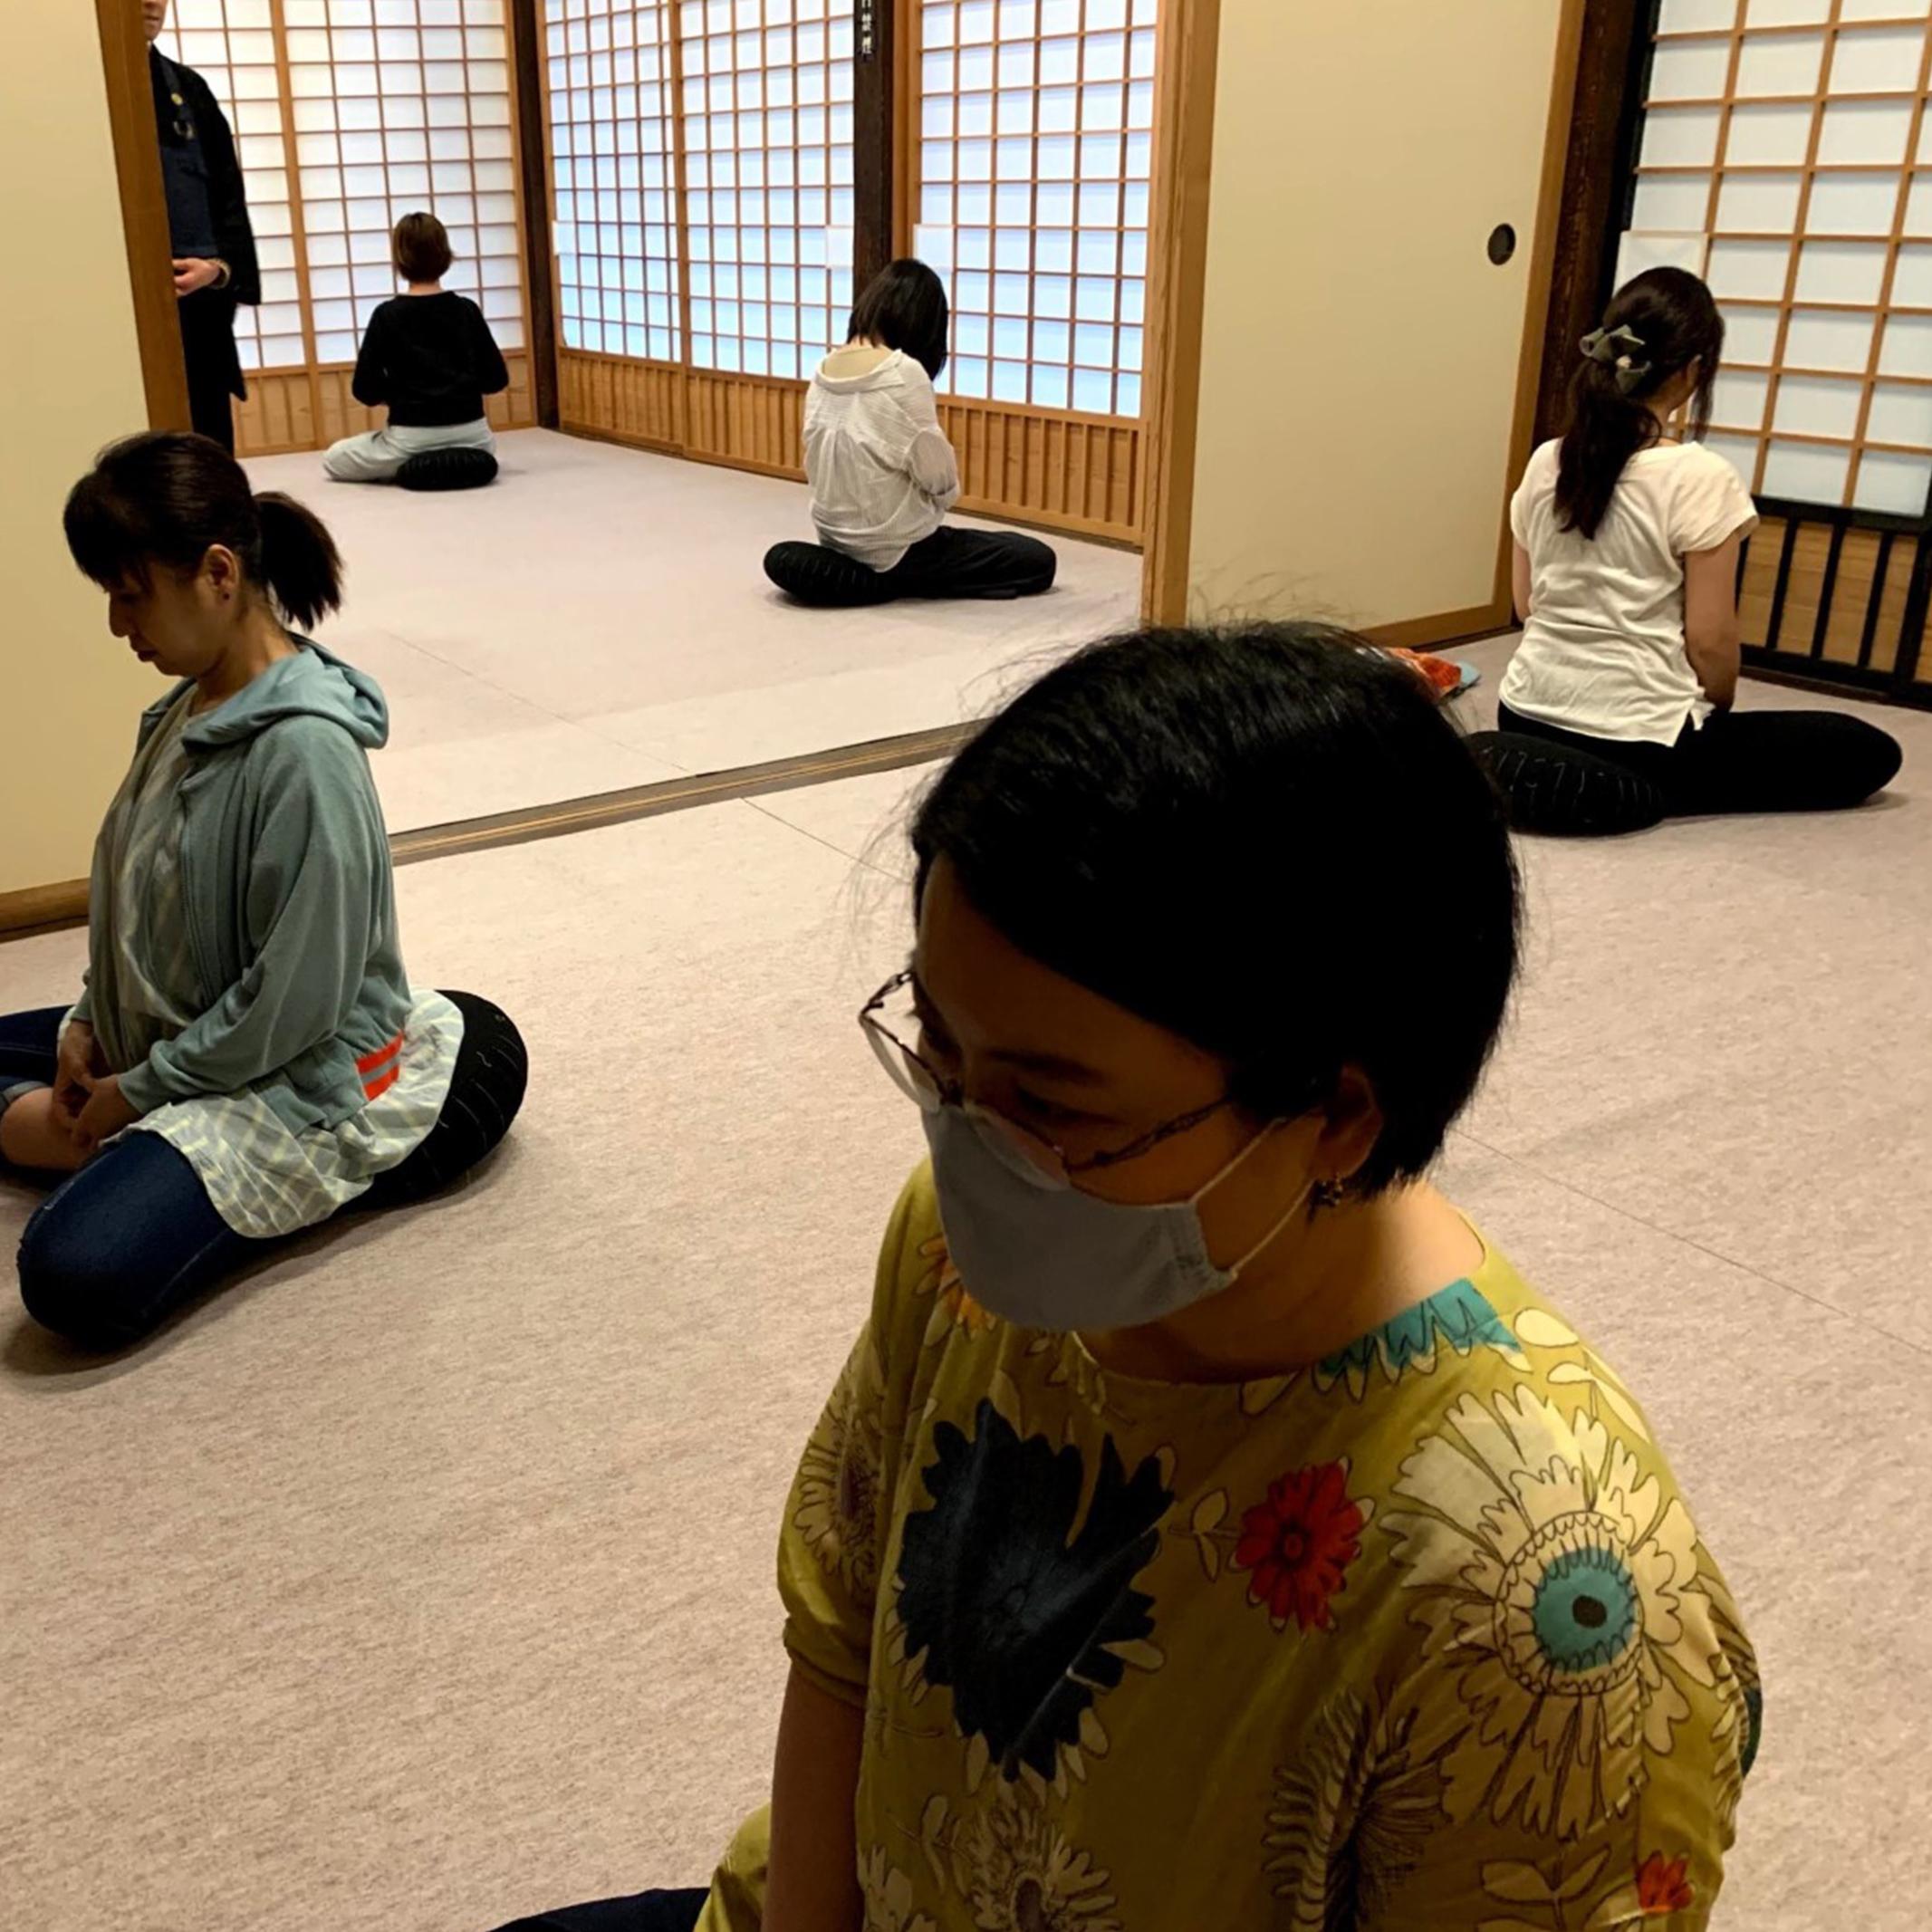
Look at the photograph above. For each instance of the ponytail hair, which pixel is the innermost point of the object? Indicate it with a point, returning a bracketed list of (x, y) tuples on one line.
[(1656, 325), (300, 563), (166, 498)]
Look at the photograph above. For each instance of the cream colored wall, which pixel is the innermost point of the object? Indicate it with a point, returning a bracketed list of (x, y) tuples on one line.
[(1360, 352), (70, 381)]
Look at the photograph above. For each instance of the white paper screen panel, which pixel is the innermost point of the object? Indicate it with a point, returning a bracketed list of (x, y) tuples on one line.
[(614, 162), (391, 105), (231, 43), (1035, 132), (767, 129), (1786, 156), (401, 105)]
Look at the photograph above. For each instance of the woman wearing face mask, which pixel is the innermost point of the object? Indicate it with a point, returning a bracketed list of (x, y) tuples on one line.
[(1209, 1529), (248, 1055)]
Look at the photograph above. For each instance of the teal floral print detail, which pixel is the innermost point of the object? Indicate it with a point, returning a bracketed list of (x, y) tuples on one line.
[(1457, 1315)]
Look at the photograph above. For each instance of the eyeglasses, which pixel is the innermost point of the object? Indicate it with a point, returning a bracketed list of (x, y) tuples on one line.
[(1032, 1155)]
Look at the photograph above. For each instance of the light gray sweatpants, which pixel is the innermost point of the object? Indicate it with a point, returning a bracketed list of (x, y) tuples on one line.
[(378, 456)]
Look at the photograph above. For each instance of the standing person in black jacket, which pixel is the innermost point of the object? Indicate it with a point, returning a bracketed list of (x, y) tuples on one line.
[(428, 356), (210, 240)]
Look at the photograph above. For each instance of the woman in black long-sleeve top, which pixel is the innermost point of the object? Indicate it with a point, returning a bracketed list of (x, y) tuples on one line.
[(428, 357)]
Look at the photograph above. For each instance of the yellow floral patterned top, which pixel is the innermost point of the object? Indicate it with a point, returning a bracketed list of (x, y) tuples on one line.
[(1421, 1638)]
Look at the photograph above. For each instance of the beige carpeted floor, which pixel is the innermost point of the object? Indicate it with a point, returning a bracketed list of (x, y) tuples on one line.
[(597, 618), (427, 1577)]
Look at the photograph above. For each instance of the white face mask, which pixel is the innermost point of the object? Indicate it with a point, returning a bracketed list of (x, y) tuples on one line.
[(1046, 1256)]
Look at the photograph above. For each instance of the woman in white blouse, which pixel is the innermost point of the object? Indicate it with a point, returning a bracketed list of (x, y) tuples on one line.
[(1616, 707), (881, 471)]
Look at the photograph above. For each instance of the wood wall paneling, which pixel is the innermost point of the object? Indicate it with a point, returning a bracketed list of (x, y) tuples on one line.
[(291, 409), (1083, 474), (619, 399)]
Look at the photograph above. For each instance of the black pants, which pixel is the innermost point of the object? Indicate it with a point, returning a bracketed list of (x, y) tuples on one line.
[(1559, 781), (950, 563), (207, 348), (642, 1912), (118, 1246)]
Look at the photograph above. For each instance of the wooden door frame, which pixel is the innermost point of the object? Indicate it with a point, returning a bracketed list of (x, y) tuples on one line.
[(529, 111), (1184, 63), (1612, 63), (1183, 144), (143, 212), (877, 171)]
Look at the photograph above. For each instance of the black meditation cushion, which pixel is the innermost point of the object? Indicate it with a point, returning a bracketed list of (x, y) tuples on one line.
[(448, 469)]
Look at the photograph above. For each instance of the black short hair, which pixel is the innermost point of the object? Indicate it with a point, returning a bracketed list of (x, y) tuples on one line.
[(1267, 839), (422, 247), (904, 306)]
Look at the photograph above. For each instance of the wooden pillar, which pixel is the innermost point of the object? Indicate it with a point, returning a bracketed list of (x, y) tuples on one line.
[(1612, 59), (540, 288), (875, 34), (143, 212)]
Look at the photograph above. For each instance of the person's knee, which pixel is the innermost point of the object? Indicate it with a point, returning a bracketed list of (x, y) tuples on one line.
[(1036, 563), (791, 562), (814, 573), (1880, 756), (339, 462), (81, 1282), (1847, 758)]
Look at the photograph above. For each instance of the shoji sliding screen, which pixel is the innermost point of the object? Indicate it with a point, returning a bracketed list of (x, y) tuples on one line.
[(1786, 157), (703, 164), (1034, 150), (612, 103), (1786, 154), (349, 114)]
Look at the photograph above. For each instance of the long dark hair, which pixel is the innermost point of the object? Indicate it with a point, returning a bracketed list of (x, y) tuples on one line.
[(903, 306), (1668, 321), (167, 497), (1252, 837)]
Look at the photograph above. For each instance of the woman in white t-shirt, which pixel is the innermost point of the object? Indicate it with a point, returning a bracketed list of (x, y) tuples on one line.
[(882, 473), (1616, 707)]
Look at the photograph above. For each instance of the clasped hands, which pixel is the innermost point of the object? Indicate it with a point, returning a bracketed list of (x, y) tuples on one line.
[(194, 271), (88, 1104)]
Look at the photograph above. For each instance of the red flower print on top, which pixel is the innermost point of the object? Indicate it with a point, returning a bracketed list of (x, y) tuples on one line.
[(1661, 1886), (1299, 1543)]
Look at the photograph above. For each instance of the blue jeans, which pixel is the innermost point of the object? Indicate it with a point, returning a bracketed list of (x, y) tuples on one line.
[(133, 1235)]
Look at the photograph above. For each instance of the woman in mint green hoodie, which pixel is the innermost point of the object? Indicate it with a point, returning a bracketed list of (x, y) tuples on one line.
[(248, 1055)]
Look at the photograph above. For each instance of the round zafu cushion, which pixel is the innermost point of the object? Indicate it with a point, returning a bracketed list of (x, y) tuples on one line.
[(447, 469)]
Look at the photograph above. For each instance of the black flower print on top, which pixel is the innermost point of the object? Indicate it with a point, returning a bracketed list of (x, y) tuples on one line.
[(1024, 1619)]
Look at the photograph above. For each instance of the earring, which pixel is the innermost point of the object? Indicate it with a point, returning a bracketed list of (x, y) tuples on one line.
[(1330, 1193)]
